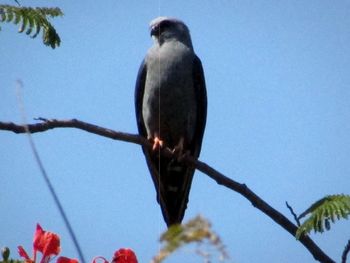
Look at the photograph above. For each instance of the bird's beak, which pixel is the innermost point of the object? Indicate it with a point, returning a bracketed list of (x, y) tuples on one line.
[(154, 31)]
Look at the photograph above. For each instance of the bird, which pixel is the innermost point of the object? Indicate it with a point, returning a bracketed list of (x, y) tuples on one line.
[(171, 112)]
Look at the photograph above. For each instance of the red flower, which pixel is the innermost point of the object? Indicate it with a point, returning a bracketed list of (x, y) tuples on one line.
[(124, 255), (24, 255), (95, 259), (66, 260), (45, 242)]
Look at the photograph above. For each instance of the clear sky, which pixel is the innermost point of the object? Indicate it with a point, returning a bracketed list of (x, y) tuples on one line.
[(278, 84)]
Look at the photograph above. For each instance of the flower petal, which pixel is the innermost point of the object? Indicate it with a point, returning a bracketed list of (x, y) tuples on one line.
[(23, 253), (124, 255), (37, 241), (66, 260), (95, 259), (51, 243), (47, 243)]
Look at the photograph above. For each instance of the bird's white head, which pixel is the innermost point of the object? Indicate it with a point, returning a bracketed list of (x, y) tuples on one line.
[(167, 29)]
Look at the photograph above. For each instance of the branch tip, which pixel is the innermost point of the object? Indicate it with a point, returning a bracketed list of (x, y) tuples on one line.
[(296, 218)]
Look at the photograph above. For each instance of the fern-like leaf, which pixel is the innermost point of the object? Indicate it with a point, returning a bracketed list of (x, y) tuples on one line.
[(2, 16), (197, 231), (33, 20), (323, 211), (17, 18), (9, 16)]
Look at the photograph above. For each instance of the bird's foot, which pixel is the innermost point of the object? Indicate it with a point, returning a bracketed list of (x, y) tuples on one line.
[(181, 157), (179, 149), (157, 143)]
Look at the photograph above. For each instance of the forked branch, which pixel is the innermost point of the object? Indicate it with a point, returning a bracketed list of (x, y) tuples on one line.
[(47, 124)]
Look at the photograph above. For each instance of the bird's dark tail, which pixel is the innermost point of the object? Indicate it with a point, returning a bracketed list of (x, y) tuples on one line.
[(173, 185), (177, 178)]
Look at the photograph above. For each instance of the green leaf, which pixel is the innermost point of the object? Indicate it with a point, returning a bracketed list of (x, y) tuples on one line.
[(322, 212), (50, 37), (24, 24), (30, 23), (9, 17), (37, 31), (2, 15), (18, 17), (33, 21), (196, 231)]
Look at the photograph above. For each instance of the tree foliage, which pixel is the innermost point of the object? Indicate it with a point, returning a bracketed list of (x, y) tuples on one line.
[(32, 21), (323, 211)]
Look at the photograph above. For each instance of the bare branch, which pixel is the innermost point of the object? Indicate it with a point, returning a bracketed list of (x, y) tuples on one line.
[(293, 214), (345, 252), (221, 179), (48, 124)]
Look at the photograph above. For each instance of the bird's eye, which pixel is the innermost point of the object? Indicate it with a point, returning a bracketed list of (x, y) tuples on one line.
[(161, 27), (164, 25)]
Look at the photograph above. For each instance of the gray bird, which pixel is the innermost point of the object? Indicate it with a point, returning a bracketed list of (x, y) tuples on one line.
[(171, 109)]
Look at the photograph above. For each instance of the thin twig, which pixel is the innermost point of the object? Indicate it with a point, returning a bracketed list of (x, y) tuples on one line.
[(45, 175), (345, 252), (293, 214), (221, 179)]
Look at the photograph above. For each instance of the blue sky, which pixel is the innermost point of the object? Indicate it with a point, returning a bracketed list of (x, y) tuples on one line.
[(278, 81)]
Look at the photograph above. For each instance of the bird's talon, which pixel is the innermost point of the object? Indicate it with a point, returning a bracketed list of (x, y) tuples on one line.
[(181, 157), (157, 143), (179, 149)]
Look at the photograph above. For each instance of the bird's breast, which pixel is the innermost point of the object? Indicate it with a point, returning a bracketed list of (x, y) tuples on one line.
[(169, 105)]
